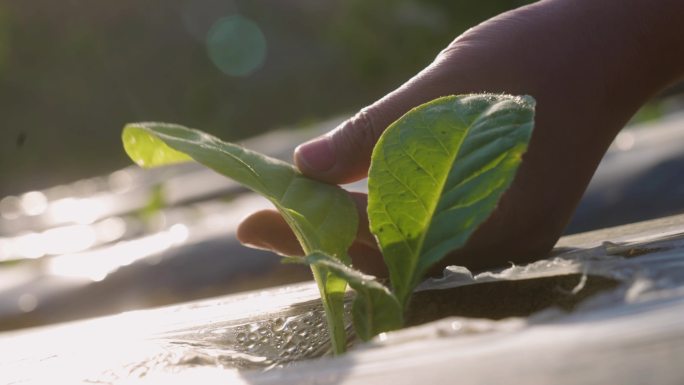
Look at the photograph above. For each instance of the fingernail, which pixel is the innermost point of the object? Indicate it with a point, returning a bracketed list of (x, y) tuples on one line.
[(256, 245), (316, 154)]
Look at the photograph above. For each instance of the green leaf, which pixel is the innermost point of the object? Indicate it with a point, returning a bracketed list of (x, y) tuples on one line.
[(322, 216), (375, 308), (437, 173)]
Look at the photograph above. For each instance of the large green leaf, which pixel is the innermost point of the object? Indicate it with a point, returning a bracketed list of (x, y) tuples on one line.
[(322, 216), (437, 173), (375, 308)]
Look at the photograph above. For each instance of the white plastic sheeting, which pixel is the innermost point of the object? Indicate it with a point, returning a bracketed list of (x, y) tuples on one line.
[(631, 334)]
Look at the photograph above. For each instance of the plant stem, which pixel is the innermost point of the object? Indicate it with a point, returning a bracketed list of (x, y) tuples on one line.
[(333, 303)]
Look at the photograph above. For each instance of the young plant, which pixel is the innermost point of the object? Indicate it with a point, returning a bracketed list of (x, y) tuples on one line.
[(322, 216), (436, 174)]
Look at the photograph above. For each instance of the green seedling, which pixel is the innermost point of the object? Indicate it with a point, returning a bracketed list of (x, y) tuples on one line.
[(436, 174), (322, 216)]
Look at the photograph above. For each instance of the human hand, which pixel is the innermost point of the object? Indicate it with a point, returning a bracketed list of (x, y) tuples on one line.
[(589, 64)]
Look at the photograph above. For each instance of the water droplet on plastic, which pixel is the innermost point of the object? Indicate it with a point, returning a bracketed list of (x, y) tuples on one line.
[(241, 337), (278, 324)]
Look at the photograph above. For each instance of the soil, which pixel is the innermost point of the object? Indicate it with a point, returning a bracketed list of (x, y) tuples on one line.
[(501, 299)]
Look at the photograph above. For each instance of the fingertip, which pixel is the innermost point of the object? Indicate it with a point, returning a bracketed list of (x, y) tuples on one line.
[(338, 157), (315, 156), (248, 230), (267, 230)]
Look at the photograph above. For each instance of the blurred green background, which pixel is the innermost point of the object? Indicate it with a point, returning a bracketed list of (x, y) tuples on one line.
[(72, 73)]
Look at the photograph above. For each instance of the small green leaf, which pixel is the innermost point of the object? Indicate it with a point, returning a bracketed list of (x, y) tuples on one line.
[(322, 216), (375, 308), (437, 173)]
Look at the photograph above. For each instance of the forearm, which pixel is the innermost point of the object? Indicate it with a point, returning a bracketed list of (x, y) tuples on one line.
[(656, 46), (643, 48)]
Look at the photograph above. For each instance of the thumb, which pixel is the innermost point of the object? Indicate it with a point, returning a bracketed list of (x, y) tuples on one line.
[(343, 154)]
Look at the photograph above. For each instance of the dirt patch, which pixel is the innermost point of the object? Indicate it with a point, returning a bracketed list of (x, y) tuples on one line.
[(501, 299)]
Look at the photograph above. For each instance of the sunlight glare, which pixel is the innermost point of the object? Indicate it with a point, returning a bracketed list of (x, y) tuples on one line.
[(120, 181), (97, 264), (236, 45), (27, 302), (624, 141), (110, 229), (10, 207), (28, 246), (33, 203), (67, 239), (77, 210), (61, 240)]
